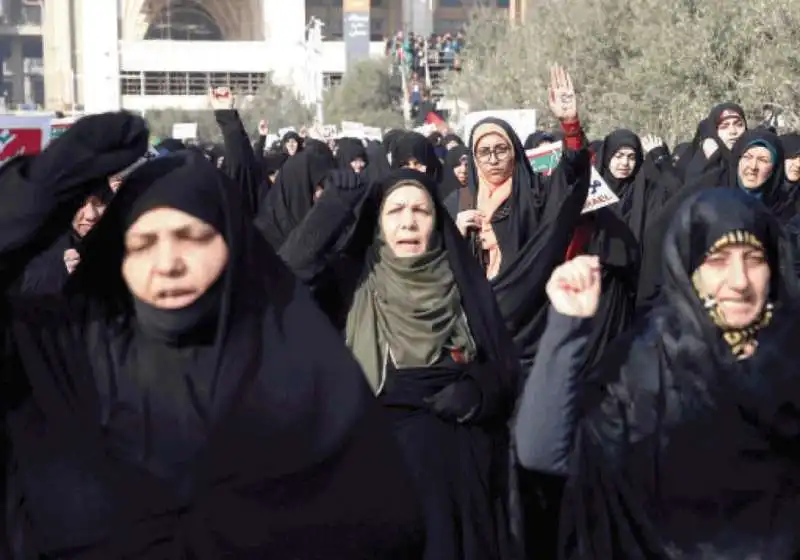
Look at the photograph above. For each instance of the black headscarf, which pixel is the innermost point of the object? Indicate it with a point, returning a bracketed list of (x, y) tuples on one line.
[(674, 419), (451, 137), (515, 225), (632, 191), (769, 193), (787, 204), (450, 182), (169, 145), (484, 319), (273, 161), (414, 146), (292, 135), (612, 143), (46, 274), (390, 139), (533, 236), (190, 446), (348, 150), (476, 498), (722, 164), (289, 200)]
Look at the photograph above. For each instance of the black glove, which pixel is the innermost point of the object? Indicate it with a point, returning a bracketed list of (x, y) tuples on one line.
[(345, 180), (459, 401)]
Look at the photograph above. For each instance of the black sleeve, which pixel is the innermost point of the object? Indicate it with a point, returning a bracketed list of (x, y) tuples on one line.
[(308, 248), (660, 172), (241, 163), (260, 146), (545, 423), (34, 213)]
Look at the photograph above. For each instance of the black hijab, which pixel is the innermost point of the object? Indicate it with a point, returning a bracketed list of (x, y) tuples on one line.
[(292, 135), (632, 191), (788, 197), (532, 241), (485, 321), (390, 139), (193, 443), (769, 192), (612, 143), (273, 161), (349, 150), (672, 419), (290, 199), (450, 137), (720, 168), (414, 146), (450, 182), (169, 145)]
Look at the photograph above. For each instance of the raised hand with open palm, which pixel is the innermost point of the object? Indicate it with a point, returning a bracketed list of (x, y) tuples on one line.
[(561, 94)]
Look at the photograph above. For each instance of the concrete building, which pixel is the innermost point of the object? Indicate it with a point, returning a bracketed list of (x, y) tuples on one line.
[(147, 54), (21, 53)]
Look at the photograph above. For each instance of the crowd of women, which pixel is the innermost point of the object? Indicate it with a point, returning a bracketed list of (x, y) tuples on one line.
[(410, 349)]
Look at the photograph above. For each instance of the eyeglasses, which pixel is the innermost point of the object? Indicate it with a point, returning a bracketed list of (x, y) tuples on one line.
[(500, 153)]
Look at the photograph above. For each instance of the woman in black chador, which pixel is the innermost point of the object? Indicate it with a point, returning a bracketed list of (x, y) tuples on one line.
[(685, 440), (169, 406)]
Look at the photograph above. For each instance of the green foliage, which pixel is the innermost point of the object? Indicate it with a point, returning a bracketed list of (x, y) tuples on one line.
[(652, 66), (368, 94)]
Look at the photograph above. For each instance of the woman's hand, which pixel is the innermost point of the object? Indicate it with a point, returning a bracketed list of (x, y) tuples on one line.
[(562, 98), (574, 287), (71, 260), (468, 219)]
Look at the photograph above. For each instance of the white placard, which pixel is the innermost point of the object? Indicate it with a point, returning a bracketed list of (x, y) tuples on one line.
[(184, 131)]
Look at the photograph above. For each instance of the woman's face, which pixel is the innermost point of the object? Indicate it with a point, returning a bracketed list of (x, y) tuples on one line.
[(407, 220), (792, 166), (452, 144), (495, 157), (737, 277), (358, 164), (622, 163), (755, 167), (730, 129), (88, 215), (172, 258), (461, 170), (416, 166), (291, 146)]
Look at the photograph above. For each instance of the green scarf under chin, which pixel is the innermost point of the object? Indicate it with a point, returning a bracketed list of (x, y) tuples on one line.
[(411, 304)]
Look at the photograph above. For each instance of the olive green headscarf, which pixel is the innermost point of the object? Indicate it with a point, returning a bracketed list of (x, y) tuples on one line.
[(410, 304)]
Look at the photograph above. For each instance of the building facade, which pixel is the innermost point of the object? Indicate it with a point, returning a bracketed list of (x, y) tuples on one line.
[(98, 55)]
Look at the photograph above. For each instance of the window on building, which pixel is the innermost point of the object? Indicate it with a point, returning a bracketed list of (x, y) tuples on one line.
[(31, 13), (131, 83), (503, 3), (450, 3), (448, 25), (377, 28), (184, 20)]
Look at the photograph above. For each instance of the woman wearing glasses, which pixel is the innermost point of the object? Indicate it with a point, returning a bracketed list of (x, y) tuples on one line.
[(520, 228)]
